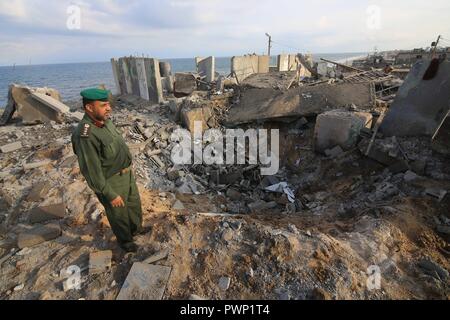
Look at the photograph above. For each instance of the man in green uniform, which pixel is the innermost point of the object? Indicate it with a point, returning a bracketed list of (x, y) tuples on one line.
[(105, 162)]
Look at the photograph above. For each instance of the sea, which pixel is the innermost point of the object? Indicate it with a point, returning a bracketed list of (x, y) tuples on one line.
[(70, 78)]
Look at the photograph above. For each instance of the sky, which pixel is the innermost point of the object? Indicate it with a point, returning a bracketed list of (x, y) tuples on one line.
[(60, 31)]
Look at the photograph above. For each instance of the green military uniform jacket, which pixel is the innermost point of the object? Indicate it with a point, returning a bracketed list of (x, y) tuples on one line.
[(102, 153)]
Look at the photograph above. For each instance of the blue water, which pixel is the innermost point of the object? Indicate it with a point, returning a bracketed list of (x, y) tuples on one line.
[(70, 79)]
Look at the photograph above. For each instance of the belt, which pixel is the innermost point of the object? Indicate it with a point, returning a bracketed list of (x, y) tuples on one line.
[(123, 171)]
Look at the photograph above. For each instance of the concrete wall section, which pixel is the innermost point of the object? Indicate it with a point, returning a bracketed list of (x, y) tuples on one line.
[(420, 105)]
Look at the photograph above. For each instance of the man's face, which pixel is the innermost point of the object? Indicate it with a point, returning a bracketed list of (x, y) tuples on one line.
[(100, 110)]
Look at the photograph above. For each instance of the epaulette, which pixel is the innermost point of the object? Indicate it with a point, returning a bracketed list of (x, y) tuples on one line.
[(85, 130)]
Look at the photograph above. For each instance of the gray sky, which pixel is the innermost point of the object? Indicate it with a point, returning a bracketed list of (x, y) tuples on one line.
[(37, 29)]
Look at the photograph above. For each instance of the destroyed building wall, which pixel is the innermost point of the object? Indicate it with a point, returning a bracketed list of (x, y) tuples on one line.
[(206, 67), (244, 66), (138, 76), (420, 105)]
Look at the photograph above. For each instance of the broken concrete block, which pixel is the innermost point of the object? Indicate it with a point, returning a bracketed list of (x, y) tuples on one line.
[(262, 205), (38, 235), (31, 110), (11, 147), (244, 66), (43, 214), (438, 194), (263, 64), (420, 105), (206, 67), (185, 84), (339, 128), (100, 261), (165, 69), (30, 166), (399, 166), (157, 257), (410, 176), (173, 174), (167, 84), (203, 115), (283, 62), (224, 283), (333, 153), (56, 105), (145, 282), (178, 205)]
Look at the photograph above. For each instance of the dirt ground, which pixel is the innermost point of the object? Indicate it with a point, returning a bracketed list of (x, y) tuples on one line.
[(323, 251)]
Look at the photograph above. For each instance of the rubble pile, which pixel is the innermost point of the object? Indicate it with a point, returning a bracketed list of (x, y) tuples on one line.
[(348, 196)]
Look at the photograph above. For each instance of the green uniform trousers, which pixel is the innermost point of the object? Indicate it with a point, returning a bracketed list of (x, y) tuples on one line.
[(125, 221)]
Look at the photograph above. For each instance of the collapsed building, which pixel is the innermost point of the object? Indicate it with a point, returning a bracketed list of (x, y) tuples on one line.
[(362, 185)]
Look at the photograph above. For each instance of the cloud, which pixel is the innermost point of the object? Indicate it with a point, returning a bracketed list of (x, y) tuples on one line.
[(184, 28)]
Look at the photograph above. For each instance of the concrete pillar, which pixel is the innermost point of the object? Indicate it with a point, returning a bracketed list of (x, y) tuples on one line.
[(142, 78), (165, 68)]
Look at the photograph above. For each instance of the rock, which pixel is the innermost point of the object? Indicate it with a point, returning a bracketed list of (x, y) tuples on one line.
[(433, 269), (11, 147), (38, 235), (438, 194), (195, 297), (233, 194), (224, 283), (227, 235), (261, 205), (34, 165), (157, 257), (443, 229), (178, 205), (339, 128), (320, 294), (419, 166), (173, 174), (39, 191), (19, 287), (43, 214), (333, 153), (100, 261), (145, 282), (410, 176)]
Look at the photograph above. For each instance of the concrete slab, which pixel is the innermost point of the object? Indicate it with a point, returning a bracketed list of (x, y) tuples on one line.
[(145, 282), (266, 104), (100, 261), (244, 66), (38, 235), (56, 105), (38, 191), (420, 105), (9, 110), (116, 75), (206, 67), (34, 165), (157, 257), (263, 64), (142, 78), (11, 147), (283, 62), (30, 110), (154, 80), (185, 83), (197, 114), (47, 213), (339, 128)]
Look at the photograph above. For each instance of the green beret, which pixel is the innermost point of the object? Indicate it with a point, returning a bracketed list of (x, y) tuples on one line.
[(95, 94)]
